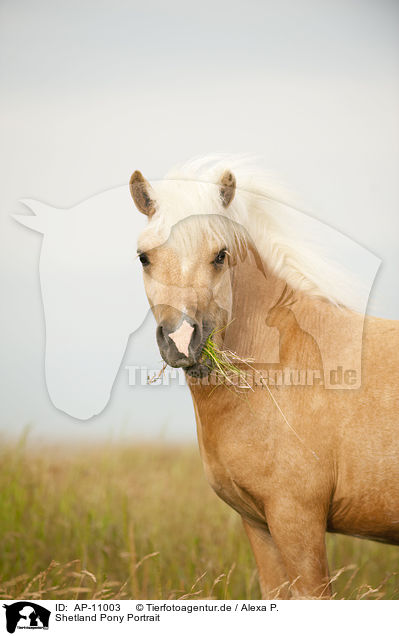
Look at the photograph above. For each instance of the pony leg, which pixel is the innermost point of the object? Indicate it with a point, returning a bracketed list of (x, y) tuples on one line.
[(299, 534), (273, 579)]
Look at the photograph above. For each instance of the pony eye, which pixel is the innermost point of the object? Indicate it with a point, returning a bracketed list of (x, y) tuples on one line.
[(144, 260), (220, 257)]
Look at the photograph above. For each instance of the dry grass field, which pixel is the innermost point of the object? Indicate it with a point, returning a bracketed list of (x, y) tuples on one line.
[(141, 522)]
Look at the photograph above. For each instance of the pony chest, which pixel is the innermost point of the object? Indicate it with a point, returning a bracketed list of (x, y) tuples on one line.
[(235, 487), (234, 465)]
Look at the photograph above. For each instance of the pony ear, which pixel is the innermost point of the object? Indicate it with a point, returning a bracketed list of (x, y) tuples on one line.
[(141, 192), (44, 215), (227, 185)]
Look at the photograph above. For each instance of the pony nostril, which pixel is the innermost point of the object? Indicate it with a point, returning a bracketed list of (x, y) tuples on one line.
[(196, 336), (161, 335)]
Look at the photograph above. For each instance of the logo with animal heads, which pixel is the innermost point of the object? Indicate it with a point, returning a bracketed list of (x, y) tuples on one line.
[(26, 615)]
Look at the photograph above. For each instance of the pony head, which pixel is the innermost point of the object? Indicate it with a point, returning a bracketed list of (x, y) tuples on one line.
[(189, 253), (186, 266)]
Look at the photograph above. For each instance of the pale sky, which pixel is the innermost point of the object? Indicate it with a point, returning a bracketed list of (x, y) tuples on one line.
[(92, 91)]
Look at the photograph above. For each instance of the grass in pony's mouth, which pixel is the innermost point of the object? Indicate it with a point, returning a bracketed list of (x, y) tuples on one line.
[(224, 363)]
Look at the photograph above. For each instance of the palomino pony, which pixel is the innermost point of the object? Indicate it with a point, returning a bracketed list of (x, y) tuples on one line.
[(313, 445)]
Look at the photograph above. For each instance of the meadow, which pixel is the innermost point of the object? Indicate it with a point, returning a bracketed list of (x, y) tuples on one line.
[(140, 521)]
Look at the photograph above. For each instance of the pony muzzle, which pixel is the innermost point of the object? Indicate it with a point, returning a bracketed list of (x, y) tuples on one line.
[(180, 345)]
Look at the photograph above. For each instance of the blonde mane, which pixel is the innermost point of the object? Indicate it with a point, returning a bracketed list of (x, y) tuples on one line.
[(286, 239)]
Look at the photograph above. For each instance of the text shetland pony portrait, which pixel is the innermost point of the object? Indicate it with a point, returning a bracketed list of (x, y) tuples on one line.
[(297, 458)]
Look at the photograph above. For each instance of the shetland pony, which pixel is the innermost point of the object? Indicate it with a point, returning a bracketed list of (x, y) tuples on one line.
[(313, 444)]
